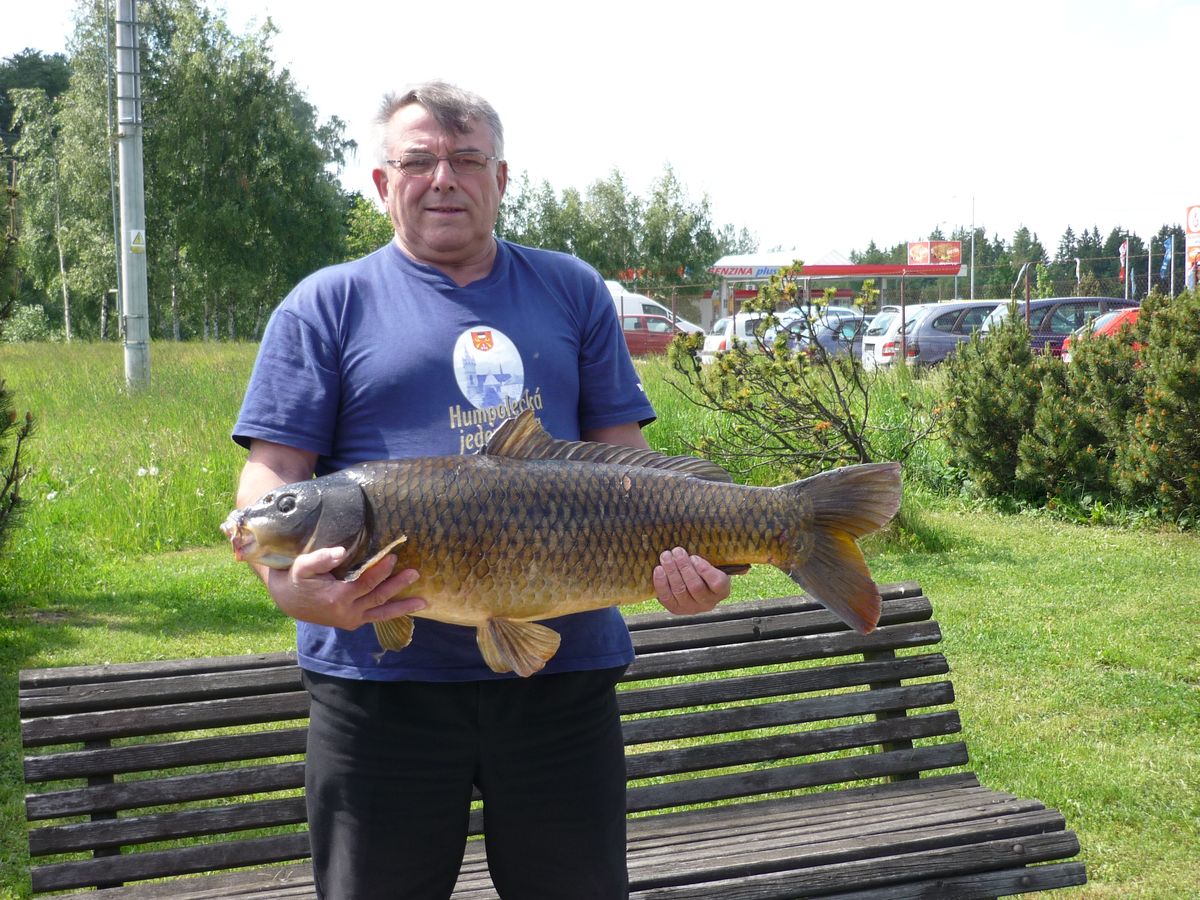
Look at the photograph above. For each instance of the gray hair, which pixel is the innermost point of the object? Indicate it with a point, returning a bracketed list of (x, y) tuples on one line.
[(455, 109)]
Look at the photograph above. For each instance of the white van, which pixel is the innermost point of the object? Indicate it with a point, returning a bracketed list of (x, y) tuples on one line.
[(639, 305)]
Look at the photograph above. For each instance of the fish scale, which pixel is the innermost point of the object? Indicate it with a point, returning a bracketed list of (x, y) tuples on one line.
[(535, 528)]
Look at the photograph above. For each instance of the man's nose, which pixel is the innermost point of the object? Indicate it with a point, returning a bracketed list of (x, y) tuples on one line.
[(443, 175)]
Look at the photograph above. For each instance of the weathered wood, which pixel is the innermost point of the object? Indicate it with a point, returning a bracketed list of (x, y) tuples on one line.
[(233, 782), (166, 755), (771, 752)]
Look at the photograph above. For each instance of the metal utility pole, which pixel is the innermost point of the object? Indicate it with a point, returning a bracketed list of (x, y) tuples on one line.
[(135, 306)]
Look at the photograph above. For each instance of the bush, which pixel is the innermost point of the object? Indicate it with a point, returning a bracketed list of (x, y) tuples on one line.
[(1159, 460), (1064, 453), (1119, 421), (790, 413), (993, 387), (29, 323)]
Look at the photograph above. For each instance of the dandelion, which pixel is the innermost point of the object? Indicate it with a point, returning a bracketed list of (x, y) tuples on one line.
[(153, 471), (141, 472), (52, 495)]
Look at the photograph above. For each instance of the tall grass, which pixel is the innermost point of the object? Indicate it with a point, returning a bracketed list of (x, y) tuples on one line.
[(119, 473)]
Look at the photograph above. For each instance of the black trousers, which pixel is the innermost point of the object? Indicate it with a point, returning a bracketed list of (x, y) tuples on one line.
[(390, 768)]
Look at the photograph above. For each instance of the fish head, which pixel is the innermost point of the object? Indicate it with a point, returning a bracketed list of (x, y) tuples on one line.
[(298, 518)]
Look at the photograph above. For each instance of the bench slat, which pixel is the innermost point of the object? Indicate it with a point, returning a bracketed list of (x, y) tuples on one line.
[(747, 687), (108, 761), (786, 712), (31, 679), (674, 663), (105, 798), (786, 778), (747, 751), (686, 633), (124, 723), (189, 823), (139, 692), (742, 608), (785, 882), (178, 861), (979, 885)]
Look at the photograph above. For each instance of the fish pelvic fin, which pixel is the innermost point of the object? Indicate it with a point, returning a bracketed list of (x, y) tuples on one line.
[(845, 504), (523, 437), (511, 646), (394, 634)]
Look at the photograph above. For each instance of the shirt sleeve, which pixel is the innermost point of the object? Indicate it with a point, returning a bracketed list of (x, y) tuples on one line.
[(294, 389)]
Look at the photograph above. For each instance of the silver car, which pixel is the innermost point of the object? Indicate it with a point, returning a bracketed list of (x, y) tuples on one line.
[(944, 327)]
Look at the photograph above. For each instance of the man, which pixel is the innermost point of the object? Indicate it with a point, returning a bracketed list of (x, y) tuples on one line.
[(402, 353)]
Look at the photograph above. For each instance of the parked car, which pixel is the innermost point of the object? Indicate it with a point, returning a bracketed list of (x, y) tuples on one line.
[(1051, 319), (630, 304), (944, 327), (749, 328), (649, 334), (1106, 325), (835, 335), (882, 339)]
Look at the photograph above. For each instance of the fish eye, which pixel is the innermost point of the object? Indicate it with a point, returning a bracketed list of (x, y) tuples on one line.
[(286, 503)]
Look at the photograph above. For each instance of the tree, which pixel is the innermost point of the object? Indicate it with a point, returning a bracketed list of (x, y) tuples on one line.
[(240, 177), (14, 430), (28, 69), (367, 229)]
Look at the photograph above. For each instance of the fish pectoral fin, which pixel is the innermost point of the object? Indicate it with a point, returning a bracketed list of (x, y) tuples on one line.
[(352, 574), (394, 634), (735, 570), (511, 646)]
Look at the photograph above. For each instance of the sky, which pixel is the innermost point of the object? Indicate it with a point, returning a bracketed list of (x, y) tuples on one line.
[(819, 127)]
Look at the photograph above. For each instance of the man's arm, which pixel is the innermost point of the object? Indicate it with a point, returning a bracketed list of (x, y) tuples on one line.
[(684, 584), (307, 591)]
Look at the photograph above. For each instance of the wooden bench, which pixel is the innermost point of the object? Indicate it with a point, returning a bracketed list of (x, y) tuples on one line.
[(771, 753)]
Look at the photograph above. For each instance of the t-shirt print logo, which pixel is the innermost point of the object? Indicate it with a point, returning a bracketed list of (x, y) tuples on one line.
[(488, 367)]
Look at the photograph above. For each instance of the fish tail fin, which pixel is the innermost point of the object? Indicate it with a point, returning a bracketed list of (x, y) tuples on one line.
[(845, 504)]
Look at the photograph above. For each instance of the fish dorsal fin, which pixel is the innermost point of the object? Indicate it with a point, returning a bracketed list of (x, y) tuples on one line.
[(524, 437)]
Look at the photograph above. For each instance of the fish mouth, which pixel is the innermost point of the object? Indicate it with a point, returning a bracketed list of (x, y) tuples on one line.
[(240, 537)]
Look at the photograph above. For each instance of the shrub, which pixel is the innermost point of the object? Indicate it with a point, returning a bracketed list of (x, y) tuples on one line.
[(1064, 453), (1159, 460), (791, 413), (993, 386), (29, 323)]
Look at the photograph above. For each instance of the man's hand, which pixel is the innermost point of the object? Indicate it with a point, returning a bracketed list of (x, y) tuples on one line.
[(308, 592), (688, 584)]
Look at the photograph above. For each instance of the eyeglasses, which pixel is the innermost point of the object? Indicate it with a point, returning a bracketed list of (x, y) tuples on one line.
[(422, 165)]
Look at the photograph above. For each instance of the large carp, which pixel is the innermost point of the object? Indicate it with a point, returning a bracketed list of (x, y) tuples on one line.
[(532, 527)]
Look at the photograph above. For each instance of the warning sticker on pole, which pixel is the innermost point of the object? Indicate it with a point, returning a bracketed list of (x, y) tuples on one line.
[(137, 240)]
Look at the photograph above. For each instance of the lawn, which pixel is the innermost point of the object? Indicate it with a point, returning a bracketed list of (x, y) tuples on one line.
[(1075, 650)]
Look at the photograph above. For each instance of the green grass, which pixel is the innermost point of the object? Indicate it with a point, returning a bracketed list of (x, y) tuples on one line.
[(1075, 650)]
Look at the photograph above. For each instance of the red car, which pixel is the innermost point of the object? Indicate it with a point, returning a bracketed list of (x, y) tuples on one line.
[(1108, 324), (648, 334)]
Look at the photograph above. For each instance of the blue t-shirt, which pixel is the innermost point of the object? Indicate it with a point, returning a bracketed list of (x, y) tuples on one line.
[(385, 358)]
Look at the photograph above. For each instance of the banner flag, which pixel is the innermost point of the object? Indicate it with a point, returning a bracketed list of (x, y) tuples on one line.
[(1124, 253), (1168, 249)]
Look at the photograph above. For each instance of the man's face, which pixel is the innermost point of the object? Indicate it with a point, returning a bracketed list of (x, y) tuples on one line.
[(445, 218)]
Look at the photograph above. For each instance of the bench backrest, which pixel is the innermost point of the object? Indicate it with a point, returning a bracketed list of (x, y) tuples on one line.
[(155, 769)]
